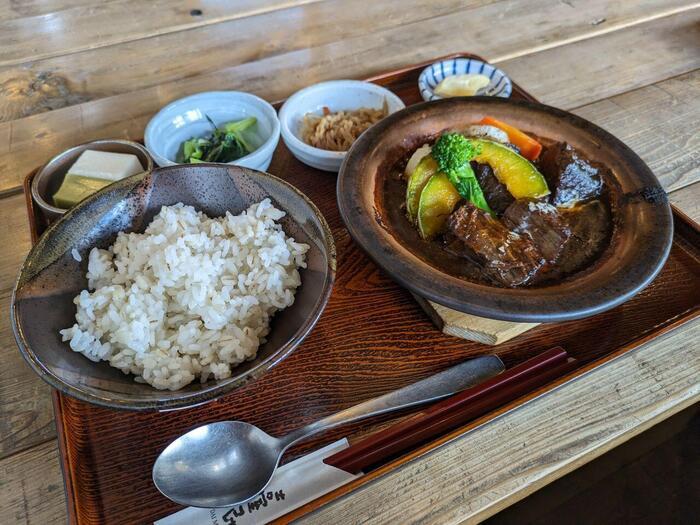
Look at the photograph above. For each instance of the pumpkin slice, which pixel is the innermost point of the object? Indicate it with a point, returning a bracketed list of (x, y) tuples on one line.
[(437, 201)]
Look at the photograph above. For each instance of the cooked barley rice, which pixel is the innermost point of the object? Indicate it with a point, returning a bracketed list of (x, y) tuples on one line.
[(190, 297)]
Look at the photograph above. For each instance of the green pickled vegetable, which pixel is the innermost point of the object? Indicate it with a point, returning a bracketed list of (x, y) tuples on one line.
[(227, 143)]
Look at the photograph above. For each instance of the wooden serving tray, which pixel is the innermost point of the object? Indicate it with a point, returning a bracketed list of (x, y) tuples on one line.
[(373, 337)]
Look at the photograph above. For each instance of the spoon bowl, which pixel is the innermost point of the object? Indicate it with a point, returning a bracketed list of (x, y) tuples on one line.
[(203, 468)]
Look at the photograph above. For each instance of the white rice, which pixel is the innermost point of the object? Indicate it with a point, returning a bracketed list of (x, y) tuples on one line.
[(190, 297)]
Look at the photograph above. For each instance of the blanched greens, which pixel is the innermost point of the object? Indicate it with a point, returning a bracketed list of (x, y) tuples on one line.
[(227, 143)]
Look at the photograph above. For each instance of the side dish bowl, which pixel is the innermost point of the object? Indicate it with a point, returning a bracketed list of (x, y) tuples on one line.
[(51, 277), (499, 83), (186, 118), (50, 176), (337, 95), (642, 221)]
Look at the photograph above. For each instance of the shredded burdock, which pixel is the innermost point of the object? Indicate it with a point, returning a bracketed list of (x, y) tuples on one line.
[(337, 131)]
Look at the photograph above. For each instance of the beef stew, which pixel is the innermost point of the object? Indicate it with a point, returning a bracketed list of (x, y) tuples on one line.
[(505, 220)]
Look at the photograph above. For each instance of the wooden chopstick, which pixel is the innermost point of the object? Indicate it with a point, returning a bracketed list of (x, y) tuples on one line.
[(454, 411)]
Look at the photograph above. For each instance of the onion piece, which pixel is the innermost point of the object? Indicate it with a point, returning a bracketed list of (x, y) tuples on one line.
[(487, 132), (417, 156)]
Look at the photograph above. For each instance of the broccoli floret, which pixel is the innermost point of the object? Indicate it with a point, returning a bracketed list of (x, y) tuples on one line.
[(453, 151)]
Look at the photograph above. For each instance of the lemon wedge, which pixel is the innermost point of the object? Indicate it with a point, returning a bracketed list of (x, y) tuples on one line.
[(461, 85)]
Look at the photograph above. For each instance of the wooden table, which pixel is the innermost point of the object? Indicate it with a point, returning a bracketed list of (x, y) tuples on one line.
[(75, 70)]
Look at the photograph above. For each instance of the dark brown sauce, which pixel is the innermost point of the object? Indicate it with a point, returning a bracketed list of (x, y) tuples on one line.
[(596, 217)]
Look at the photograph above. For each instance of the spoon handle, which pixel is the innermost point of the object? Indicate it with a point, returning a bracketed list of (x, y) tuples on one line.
[(432, 388)]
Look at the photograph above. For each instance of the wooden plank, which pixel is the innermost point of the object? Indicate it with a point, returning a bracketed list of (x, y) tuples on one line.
[(11, 9), (103, 24), (79, 77), (503, 461), (14, 240), (688, 200), (40, 136), (31, 486), (658, 122), (26, 415), (471, 327), (578, 73)]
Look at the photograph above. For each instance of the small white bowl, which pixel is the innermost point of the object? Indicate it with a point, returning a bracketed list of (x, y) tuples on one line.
[(499, 83), (186, 118), (337, 95)]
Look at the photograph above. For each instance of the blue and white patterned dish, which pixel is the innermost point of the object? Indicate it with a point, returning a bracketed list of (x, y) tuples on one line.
[(499, 83)]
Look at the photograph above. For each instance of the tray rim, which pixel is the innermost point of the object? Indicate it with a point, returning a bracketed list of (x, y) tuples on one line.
[(680, 219)]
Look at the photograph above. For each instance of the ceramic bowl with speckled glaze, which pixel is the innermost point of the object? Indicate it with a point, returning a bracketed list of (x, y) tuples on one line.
[(51, 277), (641, 215)]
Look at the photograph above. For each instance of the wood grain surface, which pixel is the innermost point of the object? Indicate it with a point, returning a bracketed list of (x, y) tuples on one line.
[(65, 80), (126, 115), (102, 90), (102, 24), (129, 66), (11, 9), (32, 487), (612, 63), (471, 327)]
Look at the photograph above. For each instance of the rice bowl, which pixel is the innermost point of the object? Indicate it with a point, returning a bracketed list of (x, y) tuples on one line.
[(51, 278)]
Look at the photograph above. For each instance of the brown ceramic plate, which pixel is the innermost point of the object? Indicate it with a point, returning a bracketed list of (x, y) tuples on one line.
[(639, 246), (50, 278)]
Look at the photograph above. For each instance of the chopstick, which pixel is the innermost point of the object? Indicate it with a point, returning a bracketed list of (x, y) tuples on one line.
[(454, 411)]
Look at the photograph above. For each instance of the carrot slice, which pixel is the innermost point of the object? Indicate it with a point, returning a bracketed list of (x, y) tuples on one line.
[(529, 147)]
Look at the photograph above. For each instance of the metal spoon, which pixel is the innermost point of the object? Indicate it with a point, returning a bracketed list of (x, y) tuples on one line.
[(226, 463)]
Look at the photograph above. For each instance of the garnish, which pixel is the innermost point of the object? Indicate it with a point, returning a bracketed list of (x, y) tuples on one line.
[(453, 152)]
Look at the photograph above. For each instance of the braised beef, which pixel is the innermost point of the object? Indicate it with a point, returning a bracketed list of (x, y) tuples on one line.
[(542, 223), (590, 230), (570, 177), (497, 195), (507, 258)]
